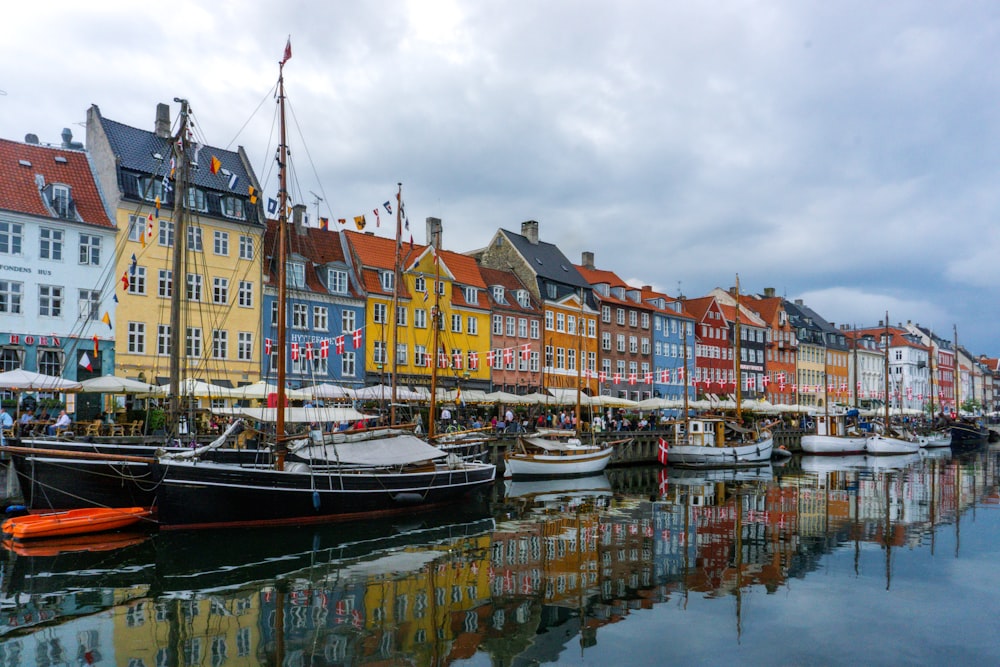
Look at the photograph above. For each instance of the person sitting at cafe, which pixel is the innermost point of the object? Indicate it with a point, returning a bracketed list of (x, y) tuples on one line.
[(62, 423), (24, 422), (6, 424)]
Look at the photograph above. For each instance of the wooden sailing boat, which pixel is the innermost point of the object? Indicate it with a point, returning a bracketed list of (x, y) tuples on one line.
[(834, 435), (884, 443), (341, 477), (703, 442), (965, 433)]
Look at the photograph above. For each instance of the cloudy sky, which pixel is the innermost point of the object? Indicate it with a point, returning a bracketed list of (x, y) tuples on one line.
[(845, 153)]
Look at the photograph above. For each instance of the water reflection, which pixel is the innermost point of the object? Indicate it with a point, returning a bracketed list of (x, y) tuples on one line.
[(534, 571)]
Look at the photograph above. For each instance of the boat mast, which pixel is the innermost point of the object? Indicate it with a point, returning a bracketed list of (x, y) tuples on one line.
[(178, 265), (738, 369), (886, 372), (579, 365), (435, 314), (857, 378), (279, 422), (684, 369), (395, 301), (958, 373)]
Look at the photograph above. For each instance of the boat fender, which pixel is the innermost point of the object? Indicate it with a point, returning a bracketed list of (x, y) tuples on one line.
[(297, 466), (408, 498), (454, 461), (315, 499), (573, 442)]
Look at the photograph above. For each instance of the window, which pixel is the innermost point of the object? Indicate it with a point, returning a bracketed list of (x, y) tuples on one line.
[(244, 295), (571, 324), (193, 342), (534, 329), (220, 344), (645, 320), (336, 281), (401, 354), (591, 328), (246, 247), (220, 291), (137, 281), (49, 301), (606, 314), (165, 284), (456, 323), (606, 340), (533, 366), (440, 288), (10, 297), (420, 355), (523, 299), (137, 338), (232, 207), (90, 249), (621, 342), (166, 233), (560, 322), (644, 345), (244, 346), (61, 203), (560, 358), (194, 282), (378, 354), (347, 320), (50, 362), (633, 318), (620, 316), (551, 290), (379, 314), (387, 279), (571, 359), (498, 325), (420, 318), (196, 201), (511, 326), (401, 315), (320, 318), (300, 316), (633, 344), (221, 243), (347, 364), (163, 339), (471, 295), (549, 320), (498, 295), (419, 284), (549, 356), (50, 243), (296, 276), (11, 235), (136, 227), (472, 325), (90, 302)]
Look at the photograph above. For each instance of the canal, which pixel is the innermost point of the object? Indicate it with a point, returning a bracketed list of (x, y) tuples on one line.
[(830, 561)]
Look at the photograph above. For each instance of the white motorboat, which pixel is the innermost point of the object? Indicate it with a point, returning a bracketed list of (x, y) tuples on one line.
[(704, 444), (544, 457), (835, 435)]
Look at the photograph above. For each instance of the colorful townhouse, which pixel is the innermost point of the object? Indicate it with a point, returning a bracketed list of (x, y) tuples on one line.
[(569, 336), (908, 361), (811, 372), (138, 172), (780, 348), (866, 368), (325, 308), (56, 241), (752, 342), (714, 372), (942, 368), (625, 328), (515, 333), (673, 330)]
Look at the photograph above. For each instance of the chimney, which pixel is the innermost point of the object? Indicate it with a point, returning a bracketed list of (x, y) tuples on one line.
[(798, 302), (732, 290), (529, 230), (31, 139), (768, 292), (434, 232), (162, 126), (299, 218), (587, 258)]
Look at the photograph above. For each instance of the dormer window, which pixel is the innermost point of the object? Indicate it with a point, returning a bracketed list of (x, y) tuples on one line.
[(471, 295), (603, 289), (296, 275), (634, 295), (387, 279), (523, 299), (336, 281), (498, 294), (619, 292), (61, 202), (232, 207), (196, 200)]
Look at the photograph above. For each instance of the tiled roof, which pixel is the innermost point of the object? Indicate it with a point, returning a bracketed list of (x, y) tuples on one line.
[(378, 251), (319, 246), (648, 294), (19, 190), (509, 281), (463, 268), (546, 260), (699, 306)]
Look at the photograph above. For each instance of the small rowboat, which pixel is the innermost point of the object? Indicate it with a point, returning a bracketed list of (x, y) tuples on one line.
[(72, 522)]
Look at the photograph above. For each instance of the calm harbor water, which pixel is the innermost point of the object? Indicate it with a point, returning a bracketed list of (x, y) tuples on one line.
[(823, 561)]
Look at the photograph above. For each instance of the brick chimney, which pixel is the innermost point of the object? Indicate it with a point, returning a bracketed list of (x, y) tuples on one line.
[(587, 259), (768, 292), (162, 126), (434, 232), (529, 230), (299, 218)]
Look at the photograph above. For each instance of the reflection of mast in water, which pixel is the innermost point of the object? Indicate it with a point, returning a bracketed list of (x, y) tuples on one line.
[(857, 521), (687, 552), (887, 481), (739, 563), (958, 506), (933, 509)]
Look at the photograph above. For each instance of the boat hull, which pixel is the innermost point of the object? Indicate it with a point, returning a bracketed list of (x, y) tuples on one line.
[(968, 436), (534, 464), (197, 495), (932, 440), (72, 522), (729, 456), (880, 445), (833, 445)]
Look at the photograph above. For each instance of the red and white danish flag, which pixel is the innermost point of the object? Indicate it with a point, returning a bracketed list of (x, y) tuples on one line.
[(324, 348), (267, 346), (473, 361), (338, 342), (357, 339), (508, 355), (526, 351), (661, 450), (295, 351)]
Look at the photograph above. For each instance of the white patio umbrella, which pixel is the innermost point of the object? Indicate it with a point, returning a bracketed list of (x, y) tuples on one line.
[(112, 384), (502, 397), (199, 389), (327, 390), (22, 380), (260, 390)]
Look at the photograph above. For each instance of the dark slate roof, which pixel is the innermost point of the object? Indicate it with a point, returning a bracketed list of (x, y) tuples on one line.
[(134, 149), (826, 333), (547, 261)]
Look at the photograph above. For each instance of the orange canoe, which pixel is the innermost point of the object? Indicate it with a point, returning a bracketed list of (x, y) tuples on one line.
[(72, 522)]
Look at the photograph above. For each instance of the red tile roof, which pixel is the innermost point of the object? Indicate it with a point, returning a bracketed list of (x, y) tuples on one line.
[(21, 163)]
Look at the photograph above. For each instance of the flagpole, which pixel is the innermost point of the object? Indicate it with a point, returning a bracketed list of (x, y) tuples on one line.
[(395, 300), (178, 265)]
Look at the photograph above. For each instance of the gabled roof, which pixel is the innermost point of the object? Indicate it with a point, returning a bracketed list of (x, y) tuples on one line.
[(136, 150), (319, 247), (379, 252), (21, 164), (510, 283), (747, 316), (767, 307), (546, 260), (610, 278), (699, 306), (649, 294), (898, 337)]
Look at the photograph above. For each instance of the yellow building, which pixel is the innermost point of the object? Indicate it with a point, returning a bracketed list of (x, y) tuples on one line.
[(221, 307)]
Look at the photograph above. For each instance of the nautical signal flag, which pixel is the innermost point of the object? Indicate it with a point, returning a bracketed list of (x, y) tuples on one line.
[(388, 208), (359, 221), (124, 280), (378, 220), (215, 165), (107, 319), (288, 51), (85, 362), (95, 346), (324, 223)]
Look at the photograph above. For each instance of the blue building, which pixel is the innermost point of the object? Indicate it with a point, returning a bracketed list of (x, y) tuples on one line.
[(672, 326)]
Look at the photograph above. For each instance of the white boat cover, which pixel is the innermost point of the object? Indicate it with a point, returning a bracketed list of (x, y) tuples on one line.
[(295, 415), (552, 445), (394, 450)]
